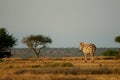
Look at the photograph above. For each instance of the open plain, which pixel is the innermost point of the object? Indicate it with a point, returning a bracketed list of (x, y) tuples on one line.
[(65, 68)]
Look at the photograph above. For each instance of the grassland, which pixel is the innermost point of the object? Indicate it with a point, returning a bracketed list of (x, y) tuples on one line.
[(67, 68)]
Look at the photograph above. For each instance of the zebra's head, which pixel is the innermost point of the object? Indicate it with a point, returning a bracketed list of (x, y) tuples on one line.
[(81, 46)]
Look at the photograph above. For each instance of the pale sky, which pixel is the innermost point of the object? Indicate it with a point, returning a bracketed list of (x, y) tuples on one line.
[(67, 22)]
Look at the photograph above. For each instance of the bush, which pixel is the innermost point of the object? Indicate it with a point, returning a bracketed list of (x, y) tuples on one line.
[(36, 66), (118, 56), (66, 65), (51, 65), (1, 60), (58, 65), (110, 53)]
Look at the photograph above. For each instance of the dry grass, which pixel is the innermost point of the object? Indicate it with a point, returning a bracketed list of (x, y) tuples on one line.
[(69, 68)]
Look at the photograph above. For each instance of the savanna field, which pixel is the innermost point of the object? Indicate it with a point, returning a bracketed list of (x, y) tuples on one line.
[(64, 68), (59, 39)]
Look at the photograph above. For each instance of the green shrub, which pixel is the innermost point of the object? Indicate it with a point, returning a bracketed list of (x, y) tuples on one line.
[(1, 60), (118, 56), (58, 65), (110, 53), (66, 65), (36, 66), (51, 65)]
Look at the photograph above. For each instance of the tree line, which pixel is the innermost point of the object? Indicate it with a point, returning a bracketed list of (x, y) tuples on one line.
[(33, 42)]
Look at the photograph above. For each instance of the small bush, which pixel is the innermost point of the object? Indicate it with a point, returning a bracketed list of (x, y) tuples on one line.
[(51, 64), (36, 66), (22, 71), (58, 65), (66, 65), (1, 60), (118, 56), (110, 53)]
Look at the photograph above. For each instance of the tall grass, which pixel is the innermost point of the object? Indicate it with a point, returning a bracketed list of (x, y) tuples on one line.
[(67, 71), (71, 68)]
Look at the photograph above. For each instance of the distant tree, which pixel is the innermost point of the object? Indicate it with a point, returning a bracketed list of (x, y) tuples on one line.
[(117, 39), (6, 40), (36, 42)]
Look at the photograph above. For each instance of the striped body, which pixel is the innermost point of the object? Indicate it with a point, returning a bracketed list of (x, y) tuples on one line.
[(87, 49)]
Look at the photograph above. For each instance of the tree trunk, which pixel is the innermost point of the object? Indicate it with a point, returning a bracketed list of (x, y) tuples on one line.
[(35, 51), (37, 54)]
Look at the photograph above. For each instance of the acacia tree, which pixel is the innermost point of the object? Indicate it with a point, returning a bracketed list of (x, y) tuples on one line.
[(117, 39), (36, 42), (6, 40)]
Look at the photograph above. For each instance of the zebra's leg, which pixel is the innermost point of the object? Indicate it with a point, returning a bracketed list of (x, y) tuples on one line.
[(92, 57), (85, 56)]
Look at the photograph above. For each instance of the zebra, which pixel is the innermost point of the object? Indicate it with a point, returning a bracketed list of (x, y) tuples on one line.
[(87, 49)]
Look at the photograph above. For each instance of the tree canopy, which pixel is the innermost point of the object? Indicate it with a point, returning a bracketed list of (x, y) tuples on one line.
[(117, 39), (6, 40), (36, 42)]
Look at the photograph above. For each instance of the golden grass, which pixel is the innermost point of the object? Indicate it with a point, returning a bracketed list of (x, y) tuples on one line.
[(104, 68)]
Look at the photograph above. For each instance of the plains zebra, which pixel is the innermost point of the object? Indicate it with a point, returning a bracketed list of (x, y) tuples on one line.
[(87, 49)]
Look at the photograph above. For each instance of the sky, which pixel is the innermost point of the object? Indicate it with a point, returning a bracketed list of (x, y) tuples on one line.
[(66, 22)]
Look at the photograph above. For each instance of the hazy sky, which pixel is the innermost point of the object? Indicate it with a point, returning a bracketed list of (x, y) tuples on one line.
[(67, 22)]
